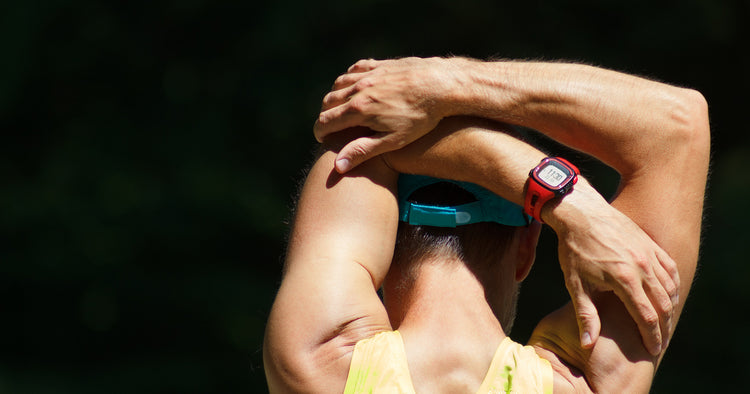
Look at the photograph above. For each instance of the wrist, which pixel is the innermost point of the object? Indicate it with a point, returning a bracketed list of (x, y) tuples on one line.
[(563, 213), (455, 98), (469, 91)]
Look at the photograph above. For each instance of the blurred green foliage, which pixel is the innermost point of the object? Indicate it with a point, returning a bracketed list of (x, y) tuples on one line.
[(151, 151)]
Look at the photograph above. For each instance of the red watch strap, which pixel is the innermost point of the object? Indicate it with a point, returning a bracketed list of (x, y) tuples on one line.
[(537, 195)]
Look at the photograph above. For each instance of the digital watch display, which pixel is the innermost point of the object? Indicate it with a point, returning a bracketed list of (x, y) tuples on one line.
[(553, 177)]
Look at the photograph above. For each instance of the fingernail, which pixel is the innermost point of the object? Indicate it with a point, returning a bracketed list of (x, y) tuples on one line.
[(586, 339), (342, 165)]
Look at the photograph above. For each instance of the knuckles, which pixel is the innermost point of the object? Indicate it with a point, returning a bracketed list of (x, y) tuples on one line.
[(357, 151), (642, 262), (666, 308), (360, 103), (345, 80), (361, 64), (626, 276), (649, 317), (363, 84), (671, 289), (648, 314), (328, 100)]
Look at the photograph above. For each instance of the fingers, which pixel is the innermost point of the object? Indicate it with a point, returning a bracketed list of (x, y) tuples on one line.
[(335, 119), (338, 97), (346, 80), (665, 296), (662, 291), (640, 307), (363, 65), (670, 268), (354, 73), (589, 325), (340, 105), (360, 150)]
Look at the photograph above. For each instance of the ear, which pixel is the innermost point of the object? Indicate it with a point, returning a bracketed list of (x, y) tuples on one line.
[(528, 239)]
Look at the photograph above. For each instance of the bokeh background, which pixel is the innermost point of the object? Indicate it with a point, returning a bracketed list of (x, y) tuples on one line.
[(150, 151)]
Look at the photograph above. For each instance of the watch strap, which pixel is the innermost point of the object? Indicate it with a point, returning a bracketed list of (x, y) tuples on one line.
[(537, 194), (536, 197)]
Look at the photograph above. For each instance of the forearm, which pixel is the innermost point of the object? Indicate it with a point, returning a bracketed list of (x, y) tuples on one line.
[(623, 120), (489, 154), (595, 239), (655, 135)]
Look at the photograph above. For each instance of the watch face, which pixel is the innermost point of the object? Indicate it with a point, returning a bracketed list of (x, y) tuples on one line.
[(553, 174)]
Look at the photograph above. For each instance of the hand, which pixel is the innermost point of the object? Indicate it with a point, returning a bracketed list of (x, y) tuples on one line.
[(397, 99), (600, 250)]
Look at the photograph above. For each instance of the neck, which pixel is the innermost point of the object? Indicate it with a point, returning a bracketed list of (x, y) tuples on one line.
[(447, 324), (441, 289)]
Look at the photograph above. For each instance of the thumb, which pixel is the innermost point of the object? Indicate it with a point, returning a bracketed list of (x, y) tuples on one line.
[(587, 316), (360, 150)]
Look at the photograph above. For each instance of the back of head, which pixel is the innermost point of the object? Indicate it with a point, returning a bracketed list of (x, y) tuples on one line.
[(474, 244), (447, 222)]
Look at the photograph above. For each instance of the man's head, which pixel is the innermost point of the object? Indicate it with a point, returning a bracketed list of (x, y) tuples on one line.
[(448, 222)]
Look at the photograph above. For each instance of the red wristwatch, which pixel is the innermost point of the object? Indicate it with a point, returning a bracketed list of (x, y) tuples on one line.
[(553, 177)]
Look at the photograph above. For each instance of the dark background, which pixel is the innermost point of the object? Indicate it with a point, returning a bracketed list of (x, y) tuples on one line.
[(151, 149)]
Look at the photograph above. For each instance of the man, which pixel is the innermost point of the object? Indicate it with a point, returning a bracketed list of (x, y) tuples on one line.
[(445, 307)]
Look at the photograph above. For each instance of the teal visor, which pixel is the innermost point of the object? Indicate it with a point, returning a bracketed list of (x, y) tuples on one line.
[(489, 207)]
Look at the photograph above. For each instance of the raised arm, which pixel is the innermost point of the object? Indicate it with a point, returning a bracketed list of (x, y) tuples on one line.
[(484, 152), (339, 252), (401, 99), (656, 136)]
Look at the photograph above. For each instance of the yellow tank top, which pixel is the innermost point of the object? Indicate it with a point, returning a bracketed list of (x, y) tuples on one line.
[(379, 366)]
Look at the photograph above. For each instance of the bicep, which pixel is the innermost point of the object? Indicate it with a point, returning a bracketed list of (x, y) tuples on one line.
[(339, 251)]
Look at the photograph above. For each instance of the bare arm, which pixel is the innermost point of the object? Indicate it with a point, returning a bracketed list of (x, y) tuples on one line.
[(663, 159), (339, 252), (401, 99), (479, 151), (656, 136)]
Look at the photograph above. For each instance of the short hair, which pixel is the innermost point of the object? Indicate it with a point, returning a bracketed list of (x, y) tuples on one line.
[(474, 244)]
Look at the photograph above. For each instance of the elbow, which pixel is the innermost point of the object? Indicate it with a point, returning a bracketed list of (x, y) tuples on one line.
[(691, 131), (676, 134), (285, 372), (283, 361), (701, 127)]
